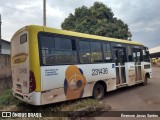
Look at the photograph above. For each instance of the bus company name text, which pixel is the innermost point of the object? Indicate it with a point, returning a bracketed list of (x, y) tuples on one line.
[(49, 72)]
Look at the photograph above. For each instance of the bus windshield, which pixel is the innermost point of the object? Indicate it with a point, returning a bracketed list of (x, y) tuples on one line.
[(146, 54)]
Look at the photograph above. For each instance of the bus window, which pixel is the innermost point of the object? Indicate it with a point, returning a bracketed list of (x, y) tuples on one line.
[(96, 52), (84, 48), (137, 56), (107, 51), (116, 56), (122, 56), (47, 45), (57, 50), (23, 38), (130, 59), (63, 44)]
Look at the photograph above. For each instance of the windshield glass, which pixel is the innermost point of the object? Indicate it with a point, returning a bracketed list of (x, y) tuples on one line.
[(146, 55)]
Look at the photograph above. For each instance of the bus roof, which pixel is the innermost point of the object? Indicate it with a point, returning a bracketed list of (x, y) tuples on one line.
[(83, 35), (76, 34)]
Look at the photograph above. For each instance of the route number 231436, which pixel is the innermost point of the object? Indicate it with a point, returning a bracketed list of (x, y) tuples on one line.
[(99, 71)]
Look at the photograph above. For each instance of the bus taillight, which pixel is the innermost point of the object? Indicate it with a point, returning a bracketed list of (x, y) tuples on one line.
[(32, 82)]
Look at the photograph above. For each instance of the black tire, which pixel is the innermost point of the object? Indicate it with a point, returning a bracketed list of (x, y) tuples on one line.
[(145, 81), (98, 91)]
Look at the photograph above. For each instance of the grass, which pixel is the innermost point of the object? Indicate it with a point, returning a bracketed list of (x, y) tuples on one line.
[(7, 100), (75, 105), (62, 106)]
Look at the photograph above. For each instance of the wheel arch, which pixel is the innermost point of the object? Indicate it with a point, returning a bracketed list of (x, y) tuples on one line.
[(102, 82), (147, 75)]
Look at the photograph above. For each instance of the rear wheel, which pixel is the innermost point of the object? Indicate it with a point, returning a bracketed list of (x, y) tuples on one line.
[(98, 91)]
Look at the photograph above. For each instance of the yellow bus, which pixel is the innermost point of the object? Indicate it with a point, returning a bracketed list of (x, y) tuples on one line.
[(51, 65)]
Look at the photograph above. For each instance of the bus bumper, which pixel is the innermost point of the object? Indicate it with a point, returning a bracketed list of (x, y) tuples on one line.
[(33, 98)]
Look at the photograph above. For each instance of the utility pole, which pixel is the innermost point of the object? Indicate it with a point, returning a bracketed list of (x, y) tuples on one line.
[(44, 12), (0, 33)]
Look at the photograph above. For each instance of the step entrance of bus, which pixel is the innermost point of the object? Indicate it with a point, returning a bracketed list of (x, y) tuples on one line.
[(120, 59)]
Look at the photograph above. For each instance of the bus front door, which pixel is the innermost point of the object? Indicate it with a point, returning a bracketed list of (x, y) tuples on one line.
[(137, 56), (120, 59)]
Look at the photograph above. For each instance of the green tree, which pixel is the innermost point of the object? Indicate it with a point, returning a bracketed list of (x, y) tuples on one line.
[(96, 20)]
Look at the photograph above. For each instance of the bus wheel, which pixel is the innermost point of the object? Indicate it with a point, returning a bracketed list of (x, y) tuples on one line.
[(98, 91), (145, 80)]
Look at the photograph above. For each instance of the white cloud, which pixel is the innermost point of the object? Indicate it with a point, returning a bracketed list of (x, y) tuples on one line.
[(141, 16), (54, 12)]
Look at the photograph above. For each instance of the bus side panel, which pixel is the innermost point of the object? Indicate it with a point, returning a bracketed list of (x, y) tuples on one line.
[(130, 73), (66, 82), (146, 68)]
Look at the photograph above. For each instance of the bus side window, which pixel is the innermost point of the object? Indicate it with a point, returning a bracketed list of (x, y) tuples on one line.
[(47, 45), (130, 59), (107, 52), (84, 52), (134, 56), (115, 54), (63, 43), (96, 52), (58, 50), (122, 57), (139, 56), (65, 52)]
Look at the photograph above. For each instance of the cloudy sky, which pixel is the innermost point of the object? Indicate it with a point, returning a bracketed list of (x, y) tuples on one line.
[(142, 16)]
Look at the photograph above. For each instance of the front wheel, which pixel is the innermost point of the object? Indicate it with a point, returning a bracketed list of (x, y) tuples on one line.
[(98, 91)]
